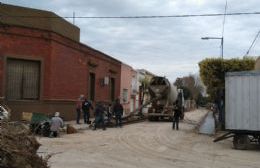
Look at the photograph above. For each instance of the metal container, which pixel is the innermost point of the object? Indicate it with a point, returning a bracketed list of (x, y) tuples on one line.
[(242, 101)]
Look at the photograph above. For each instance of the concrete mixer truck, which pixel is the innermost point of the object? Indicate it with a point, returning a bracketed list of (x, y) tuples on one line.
[(163, 96)]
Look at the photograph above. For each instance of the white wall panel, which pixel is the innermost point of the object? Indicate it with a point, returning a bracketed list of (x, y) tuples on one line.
[(242, 96)]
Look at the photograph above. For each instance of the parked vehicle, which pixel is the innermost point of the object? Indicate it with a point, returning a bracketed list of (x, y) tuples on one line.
[(39, 124), (163, 96), (242, 108)]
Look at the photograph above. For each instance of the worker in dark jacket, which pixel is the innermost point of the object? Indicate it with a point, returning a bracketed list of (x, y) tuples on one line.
[(99, 116), (118, 112), (86, 106), (177, 115)]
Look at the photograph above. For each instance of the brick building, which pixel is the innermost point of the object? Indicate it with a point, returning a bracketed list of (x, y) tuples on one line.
[(44, 67)]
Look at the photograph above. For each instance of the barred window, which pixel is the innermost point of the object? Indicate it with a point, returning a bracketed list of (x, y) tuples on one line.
[(23, 79)]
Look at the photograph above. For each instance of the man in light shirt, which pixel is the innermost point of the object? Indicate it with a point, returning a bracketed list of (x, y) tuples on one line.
[(56, 124)]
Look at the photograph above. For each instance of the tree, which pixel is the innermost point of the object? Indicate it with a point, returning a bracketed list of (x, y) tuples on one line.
[(186, 92), (212, 72), (190, 85), (178, 82)]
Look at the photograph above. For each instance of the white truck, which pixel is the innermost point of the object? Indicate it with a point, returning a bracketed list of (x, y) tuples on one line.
[(163, 97), (242, 108)]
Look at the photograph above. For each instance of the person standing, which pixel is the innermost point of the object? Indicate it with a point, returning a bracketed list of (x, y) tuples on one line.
[(56, 124), (177, 115), (99, 116), (86, 106), (79, 107), (118, 112)]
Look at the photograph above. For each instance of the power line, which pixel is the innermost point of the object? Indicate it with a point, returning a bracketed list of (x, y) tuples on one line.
[(135, 17), (252, 44)]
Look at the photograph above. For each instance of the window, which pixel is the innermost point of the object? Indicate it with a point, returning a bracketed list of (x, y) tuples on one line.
[(23, 79), (125, 95)]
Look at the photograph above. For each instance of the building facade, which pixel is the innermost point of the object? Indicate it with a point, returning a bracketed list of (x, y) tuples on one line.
[(128, 88), (44, 68)]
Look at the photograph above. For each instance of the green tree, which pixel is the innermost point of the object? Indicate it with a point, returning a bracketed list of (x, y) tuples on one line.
[(186, 92), (191, 87), (212, 72)]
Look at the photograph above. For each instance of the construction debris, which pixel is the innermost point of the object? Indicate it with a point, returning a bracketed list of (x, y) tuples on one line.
[(71, 129), (18, 147)]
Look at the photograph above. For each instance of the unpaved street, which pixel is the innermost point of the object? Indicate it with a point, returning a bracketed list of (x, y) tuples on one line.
[(146, 144)]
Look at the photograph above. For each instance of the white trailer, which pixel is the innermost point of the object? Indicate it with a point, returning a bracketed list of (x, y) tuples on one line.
[(242, 108)]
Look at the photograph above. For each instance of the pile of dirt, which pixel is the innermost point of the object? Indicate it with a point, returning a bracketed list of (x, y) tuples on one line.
[(18, 147), (71, 129)]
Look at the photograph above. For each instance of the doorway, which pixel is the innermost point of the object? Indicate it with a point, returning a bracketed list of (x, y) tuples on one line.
[(92, 84), (112, 89)]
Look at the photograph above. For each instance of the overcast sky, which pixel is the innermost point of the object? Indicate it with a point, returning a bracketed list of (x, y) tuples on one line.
[(170, 47)]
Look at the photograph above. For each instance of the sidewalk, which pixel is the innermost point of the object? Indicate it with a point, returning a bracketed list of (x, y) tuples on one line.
[(81, 126)]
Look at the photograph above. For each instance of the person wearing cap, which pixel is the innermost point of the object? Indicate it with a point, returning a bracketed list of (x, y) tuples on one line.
[(56, 124), (79, 107)]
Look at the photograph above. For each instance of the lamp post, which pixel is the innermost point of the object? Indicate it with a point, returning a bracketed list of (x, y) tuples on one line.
[(216, 38)]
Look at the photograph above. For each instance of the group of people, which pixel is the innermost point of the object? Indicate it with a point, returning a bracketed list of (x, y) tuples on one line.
[(84, 106)]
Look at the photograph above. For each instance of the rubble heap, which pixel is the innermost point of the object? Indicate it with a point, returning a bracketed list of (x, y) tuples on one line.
[(18, 148)]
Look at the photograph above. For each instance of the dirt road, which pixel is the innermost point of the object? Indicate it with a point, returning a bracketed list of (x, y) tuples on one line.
[(146, 145)]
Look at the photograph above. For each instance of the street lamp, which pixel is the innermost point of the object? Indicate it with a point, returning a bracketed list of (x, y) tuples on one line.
[(216, 38)]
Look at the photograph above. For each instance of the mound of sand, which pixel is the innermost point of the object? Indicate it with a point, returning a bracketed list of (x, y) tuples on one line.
[(18, 147)]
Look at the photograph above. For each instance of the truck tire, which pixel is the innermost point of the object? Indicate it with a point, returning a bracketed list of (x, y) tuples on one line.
[(153, 118), (241, 142), (182, 116), (150, 118), (156, 118)]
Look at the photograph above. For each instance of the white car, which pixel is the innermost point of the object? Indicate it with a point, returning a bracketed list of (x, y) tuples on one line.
[(3, 113)]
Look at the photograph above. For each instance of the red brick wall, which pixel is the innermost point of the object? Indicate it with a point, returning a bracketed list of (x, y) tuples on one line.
[(68, 75), (70, 71), (65, 68), (24, 47), (1, 74)]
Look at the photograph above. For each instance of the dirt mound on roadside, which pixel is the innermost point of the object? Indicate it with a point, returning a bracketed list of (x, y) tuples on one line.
[(18, 147)]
